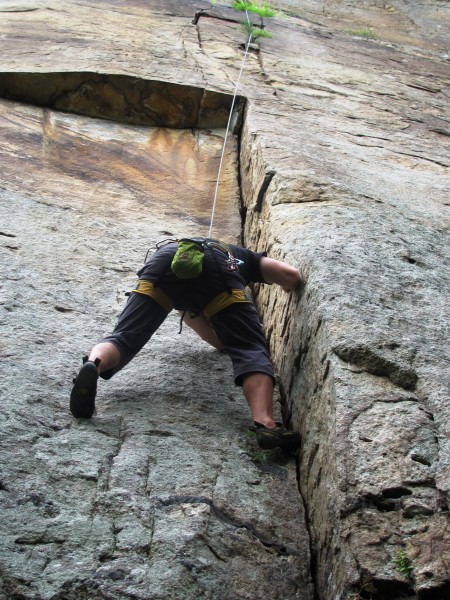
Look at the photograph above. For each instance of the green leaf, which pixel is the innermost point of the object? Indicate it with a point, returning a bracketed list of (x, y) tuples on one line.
[(403, 563), (254, 32), (263, 10)]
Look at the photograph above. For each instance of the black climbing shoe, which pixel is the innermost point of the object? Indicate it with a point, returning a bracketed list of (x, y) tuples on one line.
[(279, 437), (82, 398)]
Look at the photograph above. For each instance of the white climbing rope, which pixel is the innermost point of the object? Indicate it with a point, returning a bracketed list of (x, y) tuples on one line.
[(213, 212)]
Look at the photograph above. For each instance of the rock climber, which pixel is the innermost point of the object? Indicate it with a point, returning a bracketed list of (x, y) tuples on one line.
[(217, 306)]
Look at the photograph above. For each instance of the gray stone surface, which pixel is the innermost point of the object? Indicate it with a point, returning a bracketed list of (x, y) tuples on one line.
[(359, 203), (164, 493), (343, 170)]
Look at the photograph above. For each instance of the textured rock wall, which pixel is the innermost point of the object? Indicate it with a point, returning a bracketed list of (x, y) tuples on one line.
[(343, 170), (358, 200), (163, 493)]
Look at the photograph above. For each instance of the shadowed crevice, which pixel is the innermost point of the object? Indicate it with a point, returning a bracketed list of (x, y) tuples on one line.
[(123, 98)]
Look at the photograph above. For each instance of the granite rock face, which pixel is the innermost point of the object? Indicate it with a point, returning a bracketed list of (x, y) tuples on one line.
[(360, 204), (338, 162), (163, 493)]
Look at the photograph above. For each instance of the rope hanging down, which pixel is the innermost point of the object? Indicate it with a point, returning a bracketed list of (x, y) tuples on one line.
[(228, 128)]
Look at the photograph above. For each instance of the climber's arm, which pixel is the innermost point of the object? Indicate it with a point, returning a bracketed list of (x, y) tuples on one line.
[(275, 271)]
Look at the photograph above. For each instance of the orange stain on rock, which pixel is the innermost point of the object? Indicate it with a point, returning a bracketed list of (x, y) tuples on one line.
[(172, 171)]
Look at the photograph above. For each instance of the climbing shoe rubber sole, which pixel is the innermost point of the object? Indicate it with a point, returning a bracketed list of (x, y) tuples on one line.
[(279, 437), (82, 398)]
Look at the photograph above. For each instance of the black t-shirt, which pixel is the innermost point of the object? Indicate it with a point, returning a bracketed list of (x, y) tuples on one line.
[(249, 267), (216, 277)]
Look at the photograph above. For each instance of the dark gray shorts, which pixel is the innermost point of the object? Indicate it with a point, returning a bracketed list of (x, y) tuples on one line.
[(239, 329), (237, 326)]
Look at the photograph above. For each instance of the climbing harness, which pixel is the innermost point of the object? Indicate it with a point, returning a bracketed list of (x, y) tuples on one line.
[(193, 249), (148, 288), (225, 299)]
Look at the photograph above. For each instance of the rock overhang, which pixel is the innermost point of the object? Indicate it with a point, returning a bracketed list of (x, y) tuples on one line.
[(124, 98)]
